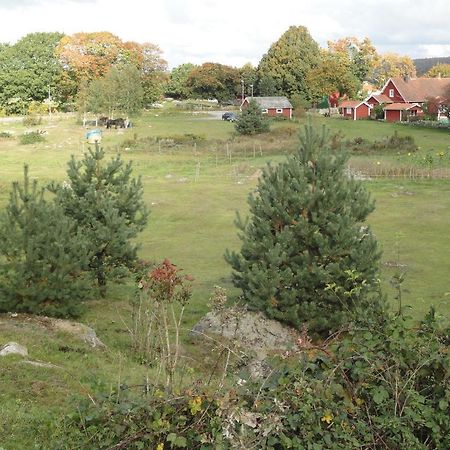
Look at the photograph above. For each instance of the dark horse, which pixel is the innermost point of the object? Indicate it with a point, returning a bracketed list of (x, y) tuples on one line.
[(116, 123)]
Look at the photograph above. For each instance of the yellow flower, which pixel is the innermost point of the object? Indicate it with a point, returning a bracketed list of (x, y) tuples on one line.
[(359, 401), (160, 446), (328, 418), (378, 163)]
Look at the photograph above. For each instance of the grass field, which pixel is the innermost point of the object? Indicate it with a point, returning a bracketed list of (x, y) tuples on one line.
[(193, 192)]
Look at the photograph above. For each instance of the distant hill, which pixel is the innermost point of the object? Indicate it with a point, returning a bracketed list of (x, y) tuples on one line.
[(423, 65)]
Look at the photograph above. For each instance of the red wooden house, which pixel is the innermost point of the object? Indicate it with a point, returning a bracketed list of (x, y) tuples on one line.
[(272, 106), (355, 109), (405, 96)]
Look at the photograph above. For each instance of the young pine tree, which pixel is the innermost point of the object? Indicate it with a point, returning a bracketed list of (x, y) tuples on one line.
[(251, 120), (42, 258), (305, 257), (106, 203)]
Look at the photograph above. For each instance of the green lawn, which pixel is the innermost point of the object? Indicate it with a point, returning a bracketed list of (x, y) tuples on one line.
[(193, 192)]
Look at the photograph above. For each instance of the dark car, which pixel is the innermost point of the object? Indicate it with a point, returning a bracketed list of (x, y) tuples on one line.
[(230, 116)]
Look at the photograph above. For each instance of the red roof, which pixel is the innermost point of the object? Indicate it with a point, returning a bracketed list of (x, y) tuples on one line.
[(419, 89), (380, 98), (350, 103), (401, 106)]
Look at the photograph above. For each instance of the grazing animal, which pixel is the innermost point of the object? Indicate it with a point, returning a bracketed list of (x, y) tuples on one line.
[(115, 123), (102, 120)]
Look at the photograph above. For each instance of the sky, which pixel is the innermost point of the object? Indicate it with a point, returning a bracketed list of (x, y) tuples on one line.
[(235, 32)]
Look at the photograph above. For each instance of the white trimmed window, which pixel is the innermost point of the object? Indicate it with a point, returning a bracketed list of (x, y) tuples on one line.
[(348, 110), (279, 110), (391, 93), (264, 111)]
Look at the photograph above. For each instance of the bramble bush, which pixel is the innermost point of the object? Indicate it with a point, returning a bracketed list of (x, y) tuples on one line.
[(384, 386)]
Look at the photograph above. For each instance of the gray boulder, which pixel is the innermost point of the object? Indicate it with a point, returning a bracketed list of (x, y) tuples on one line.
[(13, 348)]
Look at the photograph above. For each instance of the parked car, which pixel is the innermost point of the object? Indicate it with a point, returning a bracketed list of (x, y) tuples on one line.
[(230, 116)]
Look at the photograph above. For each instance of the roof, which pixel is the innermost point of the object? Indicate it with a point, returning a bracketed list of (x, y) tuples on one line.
[(271, 102), (401, 106), (352, 104), (380, 98), (419, 89)]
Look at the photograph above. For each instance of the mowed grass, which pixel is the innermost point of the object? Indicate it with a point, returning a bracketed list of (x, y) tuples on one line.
[(193, 193)]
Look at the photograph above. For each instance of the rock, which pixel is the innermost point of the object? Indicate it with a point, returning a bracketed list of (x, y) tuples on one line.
[(251, 330), (79, 330), (13, 348), (41, 364)]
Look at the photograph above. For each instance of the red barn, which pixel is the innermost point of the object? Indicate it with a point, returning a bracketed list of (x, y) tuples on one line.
[(355, 109), (399, 112), (272, 106)]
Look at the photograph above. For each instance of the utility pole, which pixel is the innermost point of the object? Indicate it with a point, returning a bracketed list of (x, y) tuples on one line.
[(49, 103), (251, 90), (242, 85)]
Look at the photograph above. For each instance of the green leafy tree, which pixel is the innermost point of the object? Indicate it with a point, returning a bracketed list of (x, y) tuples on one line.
[(29, 67), (107, 204), (213, 80), (391, 65), (249, 75), (153, 69), (439, 70), (305, 257), (177, 86), (251, 120), (120, 90), (43, 259), (333, 74), (362, 56), (287, 63)]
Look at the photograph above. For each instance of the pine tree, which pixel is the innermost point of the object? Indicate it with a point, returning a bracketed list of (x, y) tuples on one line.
[(42, 258), (305, 255), (107, 204), (251, 120)]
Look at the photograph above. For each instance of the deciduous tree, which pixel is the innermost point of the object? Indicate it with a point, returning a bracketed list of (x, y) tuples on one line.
[(392, 65), (214, 80), (333, 74), (439, 70), (288, 62), (178, 85), (29, 67)]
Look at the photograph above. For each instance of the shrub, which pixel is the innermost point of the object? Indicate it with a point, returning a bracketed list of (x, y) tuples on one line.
[(32, 120), (33, 137), (305, 256), (384, 387), (157, 314), (251, 121), (37, 108), (394, 143), (5, 135)]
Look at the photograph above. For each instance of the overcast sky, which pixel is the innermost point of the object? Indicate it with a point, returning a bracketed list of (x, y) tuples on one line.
[(237, 31)]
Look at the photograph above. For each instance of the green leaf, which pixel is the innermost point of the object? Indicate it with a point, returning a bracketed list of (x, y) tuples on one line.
[(443, 404)]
